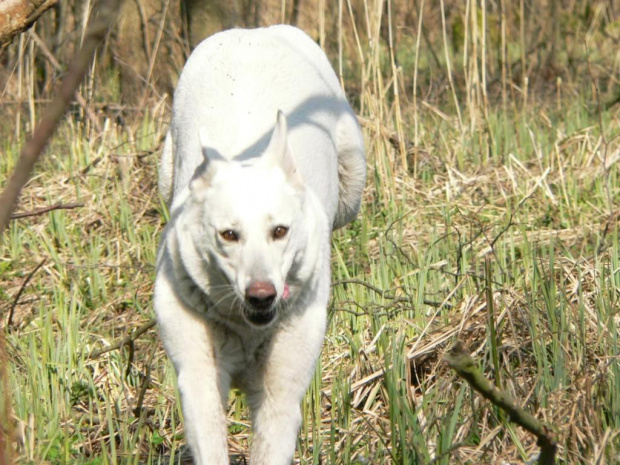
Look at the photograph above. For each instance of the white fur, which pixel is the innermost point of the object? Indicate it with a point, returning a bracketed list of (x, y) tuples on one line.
[(233, 173)]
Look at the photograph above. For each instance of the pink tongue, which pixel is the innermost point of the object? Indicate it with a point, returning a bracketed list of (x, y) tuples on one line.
[(286, 292)]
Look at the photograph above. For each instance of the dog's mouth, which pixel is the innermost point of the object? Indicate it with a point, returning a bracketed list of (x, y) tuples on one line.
[(260, 318)]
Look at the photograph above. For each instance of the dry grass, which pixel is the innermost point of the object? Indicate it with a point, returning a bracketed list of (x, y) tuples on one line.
[(509, 161)]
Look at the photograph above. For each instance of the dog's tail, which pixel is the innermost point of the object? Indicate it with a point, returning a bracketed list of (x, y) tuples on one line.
[(166, 170), (351, 170)]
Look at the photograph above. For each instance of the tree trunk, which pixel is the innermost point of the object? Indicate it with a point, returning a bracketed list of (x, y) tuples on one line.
[(206, 17), (18, 15)]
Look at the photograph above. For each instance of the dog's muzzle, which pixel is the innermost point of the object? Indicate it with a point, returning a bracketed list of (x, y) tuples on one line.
[(259, 299)]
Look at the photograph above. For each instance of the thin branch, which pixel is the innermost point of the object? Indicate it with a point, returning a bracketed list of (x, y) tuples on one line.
[(56, 65), (375, 289), (465, 366), (137, 411), (9, 321), (126, 340), (32, 150), (387, 296), (41, 211)]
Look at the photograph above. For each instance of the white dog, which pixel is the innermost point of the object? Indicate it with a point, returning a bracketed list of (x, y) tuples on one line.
[(243, 273)]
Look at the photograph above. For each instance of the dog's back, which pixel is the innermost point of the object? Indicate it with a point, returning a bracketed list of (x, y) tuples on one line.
[(235, 82)]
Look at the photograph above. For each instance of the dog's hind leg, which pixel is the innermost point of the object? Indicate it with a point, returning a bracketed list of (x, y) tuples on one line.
[(276, 394)]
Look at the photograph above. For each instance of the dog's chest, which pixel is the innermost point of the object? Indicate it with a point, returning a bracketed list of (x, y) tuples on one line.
[(241, 354)]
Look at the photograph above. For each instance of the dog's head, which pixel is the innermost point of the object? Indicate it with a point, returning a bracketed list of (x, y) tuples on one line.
[(251, 232)]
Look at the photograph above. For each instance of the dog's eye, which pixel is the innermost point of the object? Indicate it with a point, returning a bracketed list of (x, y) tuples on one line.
[(229, 235), (279, 232)]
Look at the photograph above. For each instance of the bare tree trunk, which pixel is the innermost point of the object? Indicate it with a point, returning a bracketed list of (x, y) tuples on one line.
[(295, 12), (18, 15), (206, 17)]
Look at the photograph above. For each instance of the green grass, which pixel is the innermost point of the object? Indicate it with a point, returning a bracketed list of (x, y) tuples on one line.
[(409, 279), (514, 207)]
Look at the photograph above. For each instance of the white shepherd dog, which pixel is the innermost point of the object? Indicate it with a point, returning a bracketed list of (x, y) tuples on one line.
[(264, 158)]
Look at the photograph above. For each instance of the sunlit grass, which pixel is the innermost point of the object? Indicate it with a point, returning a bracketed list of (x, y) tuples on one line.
[(409, 278), (514, 205)]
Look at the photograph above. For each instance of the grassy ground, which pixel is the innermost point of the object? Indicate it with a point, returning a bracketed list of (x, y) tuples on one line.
[(485, 205)]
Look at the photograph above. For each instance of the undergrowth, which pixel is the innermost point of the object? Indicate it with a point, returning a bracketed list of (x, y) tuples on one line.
[(512, 201)]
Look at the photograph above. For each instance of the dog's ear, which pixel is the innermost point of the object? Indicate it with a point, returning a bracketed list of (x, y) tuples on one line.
[(279, 152), (211, 155), (204, 172)]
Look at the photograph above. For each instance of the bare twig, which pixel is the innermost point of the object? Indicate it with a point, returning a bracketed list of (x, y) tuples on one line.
[(41, 211), (54, 112), (387, 296), (153, 55), (126, 340), (78, 97), (375, 289), (9, 320), (465, 366), (137, 411)]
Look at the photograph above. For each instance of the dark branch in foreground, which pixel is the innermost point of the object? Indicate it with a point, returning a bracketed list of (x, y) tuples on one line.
[(465, 366), (106, 13)]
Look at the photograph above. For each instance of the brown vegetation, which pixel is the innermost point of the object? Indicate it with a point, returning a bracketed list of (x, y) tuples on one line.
[(491, 130)]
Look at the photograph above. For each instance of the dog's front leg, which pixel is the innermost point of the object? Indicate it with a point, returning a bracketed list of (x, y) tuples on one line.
[(276, 396), (189, 342)]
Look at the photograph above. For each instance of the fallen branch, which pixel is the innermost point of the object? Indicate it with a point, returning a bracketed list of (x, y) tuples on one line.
[(41, 211), (126, 340), (465, 366)]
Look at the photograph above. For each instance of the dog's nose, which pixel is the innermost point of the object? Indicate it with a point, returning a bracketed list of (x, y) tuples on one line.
[(260, 295)]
